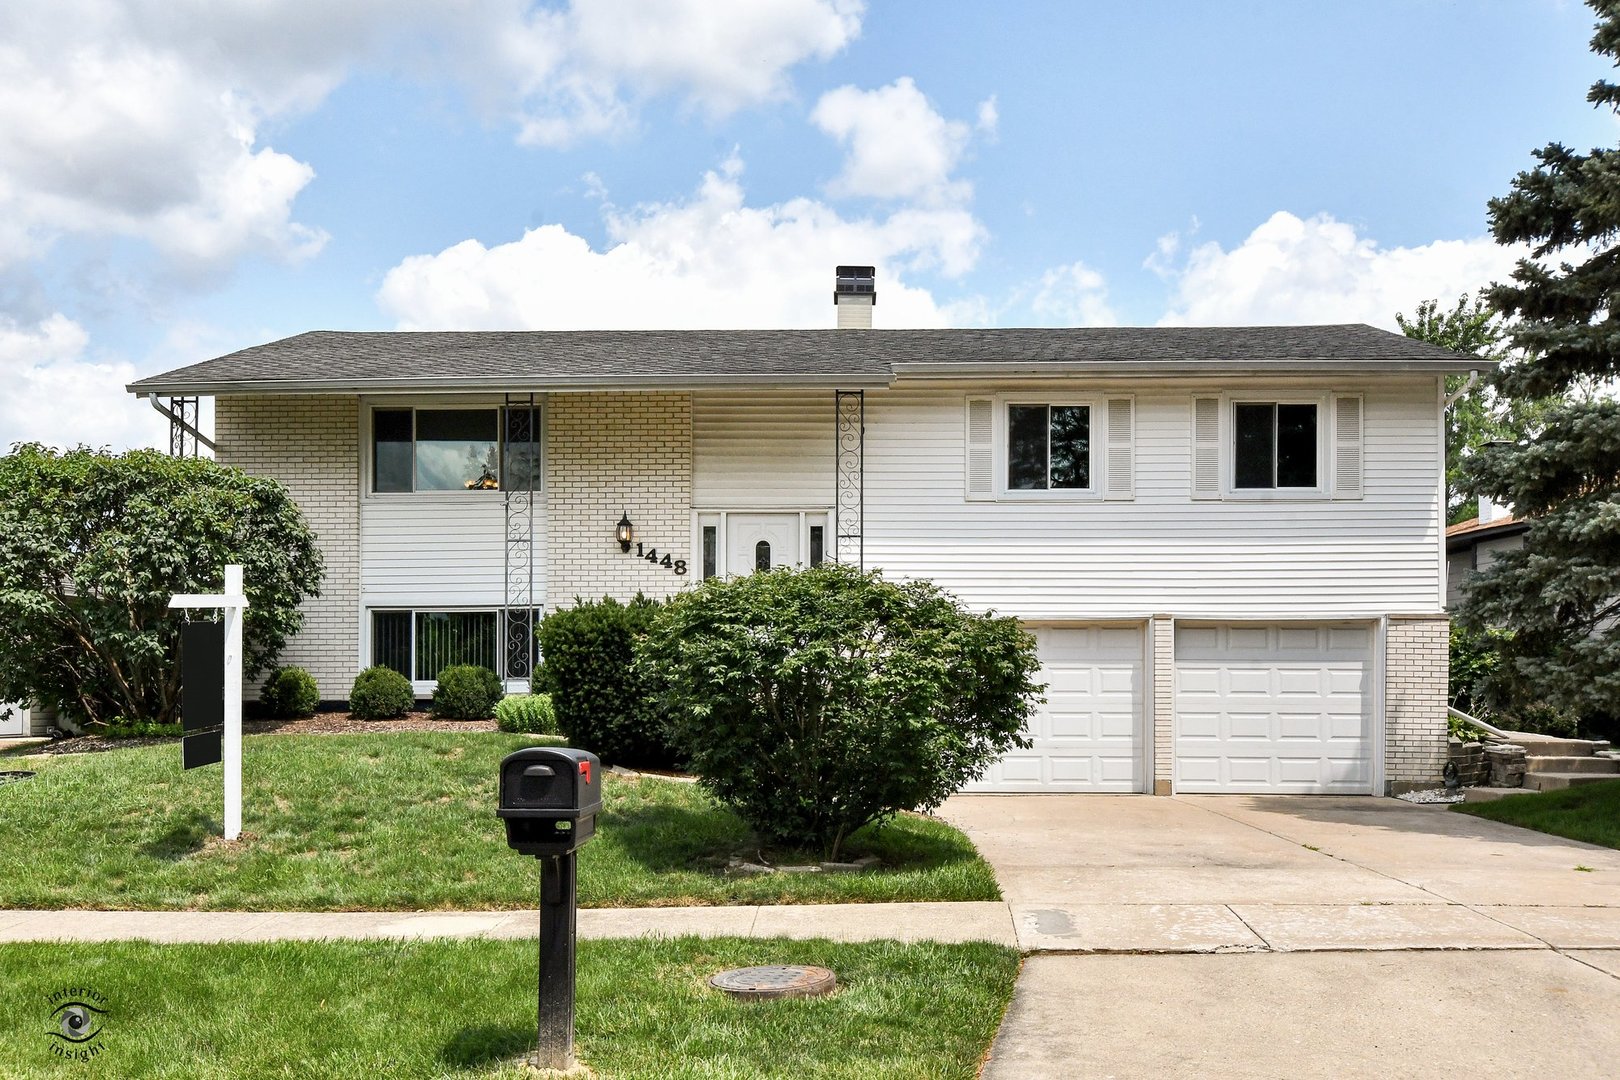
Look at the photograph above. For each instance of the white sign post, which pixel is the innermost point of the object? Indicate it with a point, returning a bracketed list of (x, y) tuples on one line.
[(234, 603)]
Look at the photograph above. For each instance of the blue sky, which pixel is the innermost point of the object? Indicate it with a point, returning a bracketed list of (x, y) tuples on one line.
[(180, 178)]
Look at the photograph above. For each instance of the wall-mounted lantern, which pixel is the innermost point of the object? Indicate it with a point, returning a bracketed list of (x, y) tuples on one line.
[(625, 532)]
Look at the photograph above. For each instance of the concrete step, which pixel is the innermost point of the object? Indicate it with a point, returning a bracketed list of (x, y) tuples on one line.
[(1553, 781), (1572, 764), (1560, 747), (1491, 794)]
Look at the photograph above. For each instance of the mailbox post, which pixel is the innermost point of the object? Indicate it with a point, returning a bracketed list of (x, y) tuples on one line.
[(549, 799)]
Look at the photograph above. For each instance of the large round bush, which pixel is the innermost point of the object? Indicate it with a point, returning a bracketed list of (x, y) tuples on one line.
[(467, 692), (814, 702), (380, 693), (290, 691)]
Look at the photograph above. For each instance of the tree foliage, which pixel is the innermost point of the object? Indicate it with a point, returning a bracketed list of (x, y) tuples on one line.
[(92, 546), (1481, 415), (814, 702), (1560, 595)]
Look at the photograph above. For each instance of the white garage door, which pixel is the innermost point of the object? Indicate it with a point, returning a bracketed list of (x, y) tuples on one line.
[(1283, 709), (1088, 734)]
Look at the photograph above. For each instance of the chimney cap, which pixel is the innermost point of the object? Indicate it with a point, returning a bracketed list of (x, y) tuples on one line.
[(855, 281)]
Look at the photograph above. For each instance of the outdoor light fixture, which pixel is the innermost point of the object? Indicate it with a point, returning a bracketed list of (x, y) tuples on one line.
[(625, 532)]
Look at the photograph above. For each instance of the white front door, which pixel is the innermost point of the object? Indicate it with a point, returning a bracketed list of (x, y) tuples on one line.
[(13, 721), (1088, 735), (1285, 709), (761, 542)]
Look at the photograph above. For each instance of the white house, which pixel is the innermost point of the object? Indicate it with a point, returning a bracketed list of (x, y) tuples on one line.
[(1228, 542)]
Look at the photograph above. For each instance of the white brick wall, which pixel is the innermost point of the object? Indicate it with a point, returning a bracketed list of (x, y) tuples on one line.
[(312, 445), (1417, 660), (1162, 640), (608, 454)]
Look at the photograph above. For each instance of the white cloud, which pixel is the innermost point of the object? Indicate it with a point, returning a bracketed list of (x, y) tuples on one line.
[(1318, 270), (989, 115), (1073, 295), (709, 261), (57, 394), (147, 118), (899, 147)]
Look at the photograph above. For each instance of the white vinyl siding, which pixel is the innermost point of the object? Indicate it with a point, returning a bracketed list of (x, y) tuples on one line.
[(1162, 551), (762, 449), (444, 551)]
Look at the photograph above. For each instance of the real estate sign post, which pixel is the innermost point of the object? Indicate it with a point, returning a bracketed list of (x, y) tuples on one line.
[(233, 602)]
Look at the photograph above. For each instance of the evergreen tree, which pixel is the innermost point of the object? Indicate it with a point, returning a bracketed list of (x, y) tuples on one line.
[(1560, 596)]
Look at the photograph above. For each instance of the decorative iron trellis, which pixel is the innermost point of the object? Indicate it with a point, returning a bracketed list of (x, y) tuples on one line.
[(849, 481), (183, 426), (520, 464)]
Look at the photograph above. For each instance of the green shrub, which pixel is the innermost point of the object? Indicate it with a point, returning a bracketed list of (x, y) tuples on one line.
[(119, 728), (527, 714), (1462, 730), (813, 702), (290, 691), (381, 693), (1483, 685), (600, 700), (466, 692)]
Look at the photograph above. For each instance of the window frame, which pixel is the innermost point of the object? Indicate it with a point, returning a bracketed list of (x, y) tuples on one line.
[(1322, 402), (368, 446), (1096, 459)]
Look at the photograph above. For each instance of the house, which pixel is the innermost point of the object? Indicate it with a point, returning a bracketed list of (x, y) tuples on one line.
[(16, 721), (1474, 544), (1227, 542)]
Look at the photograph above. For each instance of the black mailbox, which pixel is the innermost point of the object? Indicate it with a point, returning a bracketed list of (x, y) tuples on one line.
[(550, 796)]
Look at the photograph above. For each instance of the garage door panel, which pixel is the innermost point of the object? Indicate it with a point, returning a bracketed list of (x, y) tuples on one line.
[(1273, 708), (1089, 734)]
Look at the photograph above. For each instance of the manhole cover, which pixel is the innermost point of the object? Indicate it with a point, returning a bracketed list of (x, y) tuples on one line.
[(15, 774), (775, 981)]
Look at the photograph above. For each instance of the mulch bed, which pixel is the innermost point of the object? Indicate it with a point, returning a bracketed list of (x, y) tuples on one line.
[(335, 723)]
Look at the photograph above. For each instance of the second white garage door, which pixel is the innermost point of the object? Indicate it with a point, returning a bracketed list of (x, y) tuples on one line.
[(1088, 736), (1282, 709)]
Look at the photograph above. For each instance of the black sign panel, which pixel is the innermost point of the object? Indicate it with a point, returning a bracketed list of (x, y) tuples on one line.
[(202, 676), (203, 748)]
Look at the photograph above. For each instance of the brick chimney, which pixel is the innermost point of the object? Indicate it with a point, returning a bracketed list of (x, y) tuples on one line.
[(855, 295)]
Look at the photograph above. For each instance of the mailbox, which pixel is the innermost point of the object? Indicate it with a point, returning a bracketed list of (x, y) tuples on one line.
[(550, 796)]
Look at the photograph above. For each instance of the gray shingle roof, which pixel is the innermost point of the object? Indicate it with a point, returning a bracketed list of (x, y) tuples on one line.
[(337, 362)]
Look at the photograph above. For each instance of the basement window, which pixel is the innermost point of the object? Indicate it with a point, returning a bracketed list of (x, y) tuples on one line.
[(420, 644)]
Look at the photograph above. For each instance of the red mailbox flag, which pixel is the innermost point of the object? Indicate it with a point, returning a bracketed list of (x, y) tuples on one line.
[(585, 770)]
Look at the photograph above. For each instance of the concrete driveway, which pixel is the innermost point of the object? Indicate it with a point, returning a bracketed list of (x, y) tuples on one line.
[(1211, 936)]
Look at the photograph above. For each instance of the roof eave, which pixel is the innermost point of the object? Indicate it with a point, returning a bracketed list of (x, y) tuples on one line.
[(486, 384), (1170, 368)]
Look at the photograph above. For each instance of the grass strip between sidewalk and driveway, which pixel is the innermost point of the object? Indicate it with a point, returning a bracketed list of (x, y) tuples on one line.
[(339, 1009), (1589, 812), (402, 821)]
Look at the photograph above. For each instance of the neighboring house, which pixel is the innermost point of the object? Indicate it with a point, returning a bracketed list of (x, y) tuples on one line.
[(1474, 544), (1227, 542), (15, 721)]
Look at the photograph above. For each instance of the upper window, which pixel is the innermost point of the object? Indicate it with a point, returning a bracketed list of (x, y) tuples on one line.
[(454, 449), (1274, 445), (1048, 447)]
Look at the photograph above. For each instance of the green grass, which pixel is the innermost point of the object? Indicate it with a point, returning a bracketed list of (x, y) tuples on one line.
[(399, 822), (467, 1009), (1590, 812)]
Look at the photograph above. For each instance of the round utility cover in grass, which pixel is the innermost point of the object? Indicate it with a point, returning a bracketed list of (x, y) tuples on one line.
[(775, 981), (15, 775)]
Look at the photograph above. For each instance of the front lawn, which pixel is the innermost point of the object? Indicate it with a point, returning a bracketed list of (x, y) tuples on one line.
[(467, 1009), (399, 822), (1590, 812)]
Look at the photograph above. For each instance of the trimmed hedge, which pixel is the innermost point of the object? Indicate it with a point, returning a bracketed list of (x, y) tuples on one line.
[(600, 701), (381, 693), (290, 692), (526, 714), (466, 692)]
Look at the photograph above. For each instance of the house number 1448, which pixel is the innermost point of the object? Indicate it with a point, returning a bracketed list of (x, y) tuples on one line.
[(651, 555)]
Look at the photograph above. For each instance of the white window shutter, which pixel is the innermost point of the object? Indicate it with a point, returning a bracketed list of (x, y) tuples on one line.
[(981, 448), (1347, 446), (1206, 472), (1121, 467)]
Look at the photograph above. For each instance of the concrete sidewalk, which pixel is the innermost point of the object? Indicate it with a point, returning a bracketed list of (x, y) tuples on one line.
[(990, 921)]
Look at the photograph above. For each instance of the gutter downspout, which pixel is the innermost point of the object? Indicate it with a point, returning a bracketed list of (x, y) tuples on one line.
[(173, 419), (1473, 380)]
